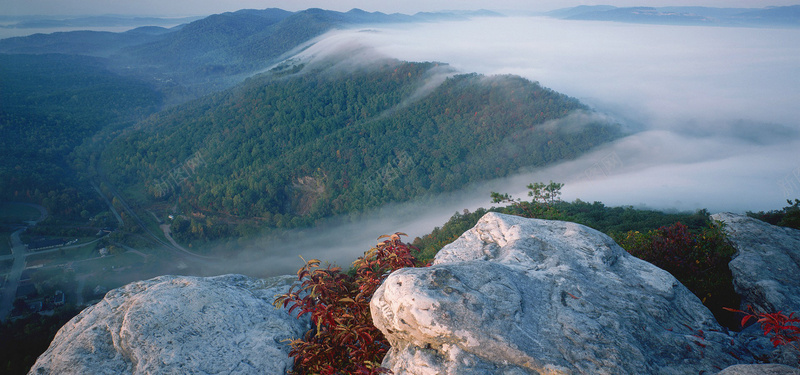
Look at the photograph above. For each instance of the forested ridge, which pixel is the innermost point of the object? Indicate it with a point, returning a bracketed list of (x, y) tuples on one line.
[(50, 104), (291, 150), (279, 150)]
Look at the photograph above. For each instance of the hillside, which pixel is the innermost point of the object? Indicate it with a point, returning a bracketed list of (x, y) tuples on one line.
[(290, 150), (50, 104), (212, 53), (65, 94)]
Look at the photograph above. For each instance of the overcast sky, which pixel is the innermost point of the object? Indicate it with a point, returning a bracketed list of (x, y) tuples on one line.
[(204, 7)]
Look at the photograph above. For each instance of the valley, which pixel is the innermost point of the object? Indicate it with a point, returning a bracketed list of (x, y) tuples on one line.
[(238, 141), (172, 167)]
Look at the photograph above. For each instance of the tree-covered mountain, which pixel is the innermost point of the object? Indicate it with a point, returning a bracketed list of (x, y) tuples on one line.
[(300, 143), (208, 52), (212, 53), (87, 43), (45, 22), (325, 141), (50, 104), (59, 91)]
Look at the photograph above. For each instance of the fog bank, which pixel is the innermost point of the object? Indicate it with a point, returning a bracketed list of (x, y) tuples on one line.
[(712, 113), (714, 109)]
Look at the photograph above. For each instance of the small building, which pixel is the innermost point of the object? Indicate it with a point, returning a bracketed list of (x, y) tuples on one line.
[(58, 298)]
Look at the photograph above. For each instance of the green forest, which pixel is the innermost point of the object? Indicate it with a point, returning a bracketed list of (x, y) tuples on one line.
[(49, 106), (291, 149)]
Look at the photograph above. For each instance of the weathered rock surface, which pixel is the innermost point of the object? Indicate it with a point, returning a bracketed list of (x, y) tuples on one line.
[(766, 268), (762, 369), (522, 296), (766, 274), (178, 325)]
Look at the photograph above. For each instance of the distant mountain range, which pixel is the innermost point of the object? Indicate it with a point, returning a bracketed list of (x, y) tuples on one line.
[(208, 54), (41, 22), (786, 16), (271, 138)]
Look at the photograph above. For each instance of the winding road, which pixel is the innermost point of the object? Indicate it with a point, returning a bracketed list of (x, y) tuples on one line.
[(170, 244), (18, 253)]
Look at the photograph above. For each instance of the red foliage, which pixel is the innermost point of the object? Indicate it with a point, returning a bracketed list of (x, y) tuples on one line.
[(780, 328), (343, 339)]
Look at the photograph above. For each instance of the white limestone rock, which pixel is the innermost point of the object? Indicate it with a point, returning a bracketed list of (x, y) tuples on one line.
[(179, 325), (524, 296)]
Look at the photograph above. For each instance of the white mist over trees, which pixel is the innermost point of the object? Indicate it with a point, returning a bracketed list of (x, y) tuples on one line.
[(714, 107), (712, 111)]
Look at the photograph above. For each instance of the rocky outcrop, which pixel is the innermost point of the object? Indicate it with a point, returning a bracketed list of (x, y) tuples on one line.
[(766, 267), (762, 369), (179, 325), (766, 274), (523, 296)]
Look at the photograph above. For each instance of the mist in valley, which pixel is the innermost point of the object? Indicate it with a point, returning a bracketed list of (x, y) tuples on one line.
[(711, 113), (709, 117), (712, 109)]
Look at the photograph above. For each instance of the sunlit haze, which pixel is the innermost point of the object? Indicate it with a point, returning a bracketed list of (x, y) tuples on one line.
[(205, 7)]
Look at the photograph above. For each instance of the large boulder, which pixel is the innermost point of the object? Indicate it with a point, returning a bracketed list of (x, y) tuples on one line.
[(766, 267), (760, 369), (179, 325), (524, 296), (766, 274)]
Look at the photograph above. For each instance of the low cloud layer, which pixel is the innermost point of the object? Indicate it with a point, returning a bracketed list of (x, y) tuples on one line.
[(714, 109), (713, 114)]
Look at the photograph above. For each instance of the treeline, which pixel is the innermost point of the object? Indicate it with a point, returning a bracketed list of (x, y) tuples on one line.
[(50, 105), (788, 216), (615, 221), (295, 149)]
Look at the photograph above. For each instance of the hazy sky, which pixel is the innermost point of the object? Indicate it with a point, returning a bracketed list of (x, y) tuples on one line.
[(203, 7)]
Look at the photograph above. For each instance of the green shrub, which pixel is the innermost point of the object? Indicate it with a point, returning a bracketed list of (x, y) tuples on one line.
[(698, 260), (788, 216)]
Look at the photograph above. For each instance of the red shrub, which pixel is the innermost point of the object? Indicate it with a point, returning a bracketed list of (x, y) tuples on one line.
[(343, 339), (781, 329)]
